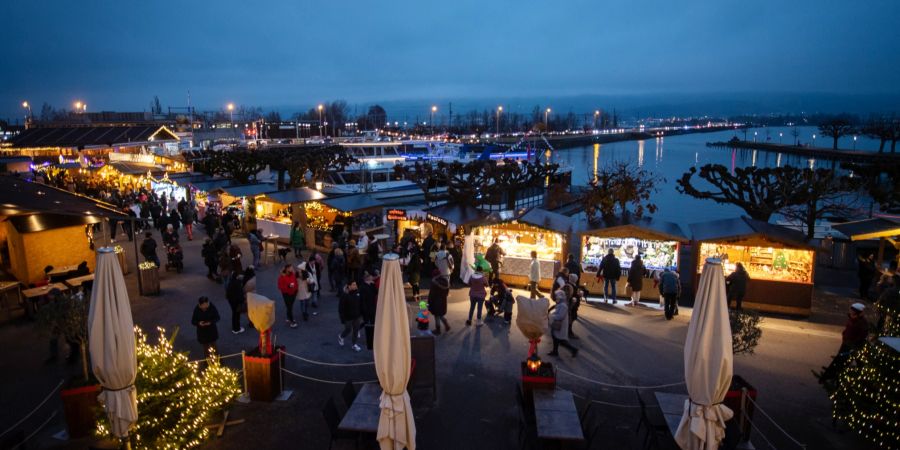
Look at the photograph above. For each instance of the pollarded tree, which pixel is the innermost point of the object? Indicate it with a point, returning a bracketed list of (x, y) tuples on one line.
[(823, 193), (620, 190), (836, 128), (760, 192), (881, 182), (240, 165)]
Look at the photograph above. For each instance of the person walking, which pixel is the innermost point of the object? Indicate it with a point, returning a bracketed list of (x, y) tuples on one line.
[(298, 240), (337, 270), (534, 276), (477, 294), (148, 249), (314, 268), (304, 279), (205, 318), (210, 259), (350, 312), (287, 285), (736, 285), (188, 216), (414, 270), (669, 288), (610, 271), (234, 293), (437, 300), (574, 302), (866, 272), (354, 262), (255, 246), (636, 279), (444, 262), (559, 324)]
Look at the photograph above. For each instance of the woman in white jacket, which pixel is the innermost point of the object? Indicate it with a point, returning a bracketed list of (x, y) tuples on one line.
[(559, 324)]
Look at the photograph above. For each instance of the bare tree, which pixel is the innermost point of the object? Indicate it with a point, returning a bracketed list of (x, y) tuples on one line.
[(823, 193), (836, 128), (621, 190), (760, 192)]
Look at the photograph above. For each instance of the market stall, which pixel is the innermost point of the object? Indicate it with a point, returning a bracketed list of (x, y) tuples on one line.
[(328, 218), (412, 220), (778, 259), (536, 230), (657, 242), (454, 219), (206, 196), (277, 211), (242, 199)]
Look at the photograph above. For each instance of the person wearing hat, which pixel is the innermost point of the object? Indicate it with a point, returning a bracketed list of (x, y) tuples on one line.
[(854, 336), (559, 324), (422, 319)]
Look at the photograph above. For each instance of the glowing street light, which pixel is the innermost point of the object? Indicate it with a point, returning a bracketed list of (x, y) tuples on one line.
[(546, 114), (80, 106), (320, 108), (27, 107), (499, 111), (230, 108), (433, 110), (596, 116), (854, 142)]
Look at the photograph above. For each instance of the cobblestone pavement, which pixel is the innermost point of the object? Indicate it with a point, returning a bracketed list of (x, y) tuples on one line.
[(477, 370)]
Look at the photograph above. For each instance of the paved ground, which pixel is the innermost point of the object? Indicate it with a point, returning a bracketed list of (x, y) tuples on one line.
[(477, 371)]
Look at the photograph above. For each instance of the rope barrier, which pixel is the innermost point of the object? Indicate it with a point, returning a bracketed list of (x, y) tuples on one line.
[(767, 416), (619, 386), (612, 404), (320, 363), (36, 408), (760, 433), (325, 381), (219, 357), (41, 427)]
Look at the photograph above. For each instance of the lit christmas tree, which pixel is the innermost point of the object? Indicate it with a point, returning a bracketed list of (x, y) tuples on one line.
[(175, 400), (867, 393)]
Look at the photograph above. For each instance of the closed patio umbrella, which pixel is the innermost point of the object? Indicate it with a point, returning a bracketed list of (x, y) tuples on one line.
[(468, 258), (708, 364), (111, 341), (396, 427)]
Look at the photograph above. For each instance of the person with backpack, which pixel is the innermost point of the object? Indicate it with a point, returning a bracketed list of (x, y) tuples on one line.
[(574, 301), (610, 272), (669, 288)]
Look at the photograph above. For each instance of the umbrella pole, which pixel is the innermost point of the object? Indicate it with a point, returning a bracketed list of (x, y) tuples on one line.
[(137, 259)]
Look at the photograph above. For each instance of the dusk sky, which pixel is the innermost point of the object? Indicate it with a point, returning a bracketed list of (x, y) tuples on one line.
[(115, 55)]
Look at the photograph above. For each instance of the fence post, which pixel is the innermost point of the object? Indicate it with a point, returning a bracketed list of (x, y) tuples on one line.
[(743, 420)]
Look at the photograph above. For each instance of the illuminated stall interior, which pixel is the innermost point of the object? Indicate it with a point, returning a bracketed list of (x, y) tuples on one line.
[(326, 219), (657, 242), (780, 263), (536, 230), (277, 211), (241, 200), (453, 219)]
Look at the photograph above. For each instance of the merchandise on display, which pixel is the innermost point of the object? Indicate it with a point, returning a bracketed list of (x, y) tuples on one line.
[(657, 255), (519, 243), (763, 263)]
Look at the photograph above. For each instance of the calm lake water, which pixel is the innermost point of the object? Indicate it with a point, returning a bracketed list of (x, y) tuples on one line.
[(672, 156)]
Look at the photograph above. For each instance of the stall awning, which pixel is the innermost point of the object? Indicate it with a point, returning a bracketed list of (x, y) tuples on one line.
[(879, 227), (20, 196), (644, 227), (209, 185), (744, 228), (458, 214), (246, 189), (350, 203), (548, 220), (298, 195), (32, 223), (130, 168)]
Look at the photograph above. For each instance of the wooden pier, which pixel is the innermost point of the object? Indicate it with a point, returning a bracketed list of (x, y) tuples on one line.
[(859, 156)]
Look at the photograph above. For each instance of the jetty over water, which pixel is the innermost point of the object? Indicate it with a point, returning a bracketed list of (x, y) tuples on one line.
[(859, 156)]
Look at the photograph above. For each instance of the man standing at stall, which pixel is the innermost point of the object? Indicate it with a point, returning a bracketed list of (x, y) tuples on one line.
[(669, 287), (494, 256)]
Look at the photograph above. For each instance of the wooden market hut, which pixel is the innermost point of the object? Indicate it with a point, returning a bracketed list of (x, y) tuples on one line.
[(90, 140), (659, 243), (884, 229), (328, 218), (244, 197), (778, 259), (277, 211)]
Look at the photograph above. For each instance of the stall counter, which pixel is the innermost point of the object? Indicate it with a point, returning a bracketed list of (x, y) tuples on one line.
[(269, 227), (515, 271)]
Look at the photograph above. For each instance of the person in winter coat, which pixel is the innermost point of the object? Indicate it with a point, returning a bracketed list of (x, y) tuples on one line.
[(174, 219), (853, 338), (148, 249), (255, 246), (736, 285), (669, 288), (573, 294), (234, 258), (494, 255), (170, 236), (188, 216), (574, 266), (444, 262), (210, 259), (437, 300), (636, 279), (534, 276), (610, 271), (314, 268), (337, 270), (287, 285), (350, 312), (368, 297), (205, 318), (234, 292), (298, 239), (559, 325), (477, 294), (414, 271), (304, 279), (354, 262)]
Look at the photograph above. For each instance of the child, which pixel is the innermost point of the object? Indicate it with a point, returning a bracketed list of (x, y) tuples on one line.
[(422, 319)]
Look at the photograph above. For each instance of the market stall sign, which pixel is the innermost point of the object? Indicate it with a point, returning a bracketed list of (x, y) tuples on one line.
[(396, 214), (436, 219)]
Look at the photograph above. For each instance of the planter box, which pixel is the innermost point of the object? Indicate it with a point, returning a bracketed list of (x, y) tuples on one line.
[(263, 374), (80, 406), (545, 378), (149, 281), (123, 262), (733, 401)]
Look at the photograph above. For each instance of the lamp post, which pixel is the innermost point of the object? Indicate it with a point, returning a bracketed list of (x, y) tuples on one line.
[(814, 141), (320, 108), (854, 142), (596, 116), (433, 110), (27, 107), (779, 137), (546, 125), (230, 108), (499, 111), (80, 107)]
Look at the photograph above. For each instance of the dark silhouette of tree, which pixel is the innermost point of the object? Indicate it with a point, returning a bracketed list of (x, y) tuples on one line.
[(881, 182), (273, 117), (885, 129), (760, 192), (477, 182), (240, 165), (823, 193), (836, 128), (304, 165), (621, 190), (376, 116), (155, 106)]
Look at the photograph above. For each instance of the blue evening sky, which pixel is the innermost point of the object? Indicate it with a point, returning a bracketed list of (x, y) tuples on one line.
[(116, 55)]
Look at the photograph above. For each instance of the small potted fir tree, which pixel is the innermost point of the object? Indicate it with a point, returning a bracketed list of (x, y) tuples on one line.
[(66, 316), (745, 334)]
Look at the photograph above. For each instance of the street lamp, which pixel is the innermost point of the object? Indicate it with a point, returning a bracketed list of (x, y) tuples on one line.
[(779, 136), (27, 110), (499, 111), (546, 113), (320, 108), (854, 142), (433, 110), (80, 106), (596, 116), (230, 108), (814, 141)]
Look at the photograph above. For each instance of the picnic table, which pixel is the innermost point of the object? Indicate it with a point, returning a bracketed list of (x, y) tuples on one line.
[(61, 271), (33, 295), (5, 288), (78, 281), (672, 407), (556, 416), (363, 414)]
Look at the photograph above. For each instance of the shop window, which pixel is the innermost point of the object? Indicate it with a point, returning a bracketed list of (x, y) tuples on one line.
[(763, 263)]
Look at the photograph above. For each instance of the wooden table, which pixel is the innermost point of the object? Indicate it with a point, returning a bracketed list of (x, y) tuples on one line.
[(5, 288), (61, 271), (77, 281), (672, 407), (270, 239), (557, 417), (33, 295), (363, 414)]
